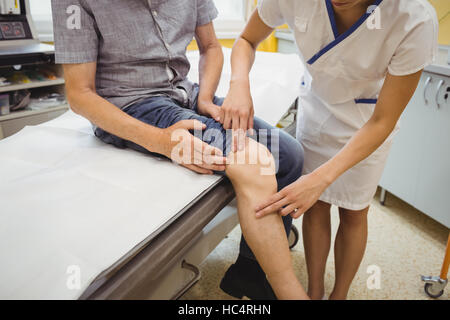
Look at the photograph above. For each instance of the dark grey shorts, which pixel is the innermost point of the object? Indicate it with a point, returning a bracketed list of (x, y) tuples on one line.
[(163, 112)]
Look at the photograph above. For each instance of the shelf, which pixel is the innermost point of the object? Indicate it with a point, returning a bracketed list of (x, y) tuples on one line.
[(34, 84), (27, 113)]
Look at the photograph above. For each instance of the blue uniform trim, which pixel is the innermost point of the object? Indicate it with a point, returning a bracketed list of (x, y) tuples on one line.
[(343, 36), (366, 101), (332, 19)]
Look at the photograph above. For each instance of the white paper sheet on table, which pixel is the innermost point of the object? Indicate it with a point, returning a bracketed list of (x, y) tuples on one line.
[(275, 82), (70, 203)]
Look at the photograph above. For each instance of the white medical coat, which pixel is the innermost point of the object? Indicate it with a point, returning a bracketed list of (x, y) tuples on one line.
[(345, 74)]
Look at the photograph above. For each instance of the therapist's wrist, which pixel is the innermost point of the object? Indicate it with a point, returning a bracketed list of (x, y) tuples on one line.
[(205, 100), (325, 175), (240, 82)]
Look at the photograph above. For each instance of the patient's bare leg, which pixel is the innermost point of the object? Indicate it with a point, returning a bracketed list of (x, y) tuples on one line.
[(254, 181)]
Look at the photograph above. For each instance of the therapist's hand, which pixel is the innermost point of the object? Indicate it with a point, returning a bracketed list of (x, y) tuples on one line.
[(300, 195), (238, 112), (209, 109), (189, 151)]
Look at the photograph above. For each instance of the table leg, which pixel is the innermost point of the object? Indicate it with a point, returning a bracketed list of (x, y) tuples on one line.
[(383, 196)]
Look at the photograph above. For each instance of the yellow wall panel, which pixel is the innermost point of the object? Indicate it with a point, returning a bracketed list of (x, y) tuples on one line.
[(269, 45), (443, 11), (227, 43)]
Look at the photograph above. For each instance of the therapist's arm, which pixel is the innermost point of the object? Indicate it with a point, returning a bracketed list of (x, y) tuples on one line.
[(210, 69), (83, 99), (396, 93), (238, 112)]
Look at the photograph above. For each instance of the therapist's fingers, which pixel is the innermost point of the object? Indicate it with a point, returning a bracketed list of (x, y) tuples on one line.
[(290, 210), (235, 127), (251, 123), (274, 198), (226, 119), (271, 200), (243, 126), (273, 208), (297, 214)]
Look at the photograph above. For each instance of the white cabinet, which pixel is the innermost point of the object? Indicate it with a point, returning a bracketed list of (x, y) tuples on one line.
[(16, 121), (418, 167)]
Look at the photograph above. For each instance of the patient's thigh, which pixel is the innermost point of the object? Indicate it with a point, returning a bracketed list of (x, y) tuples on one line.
[(163, 112)]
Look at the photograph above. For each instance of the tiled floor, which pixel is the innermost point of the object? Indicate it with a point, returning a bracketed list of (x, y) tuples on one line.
[(403, 243)]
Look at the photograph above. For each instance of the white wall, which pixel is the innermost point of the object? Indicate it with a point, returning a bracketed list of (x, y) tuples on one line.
[(41, 12), (231, 20)]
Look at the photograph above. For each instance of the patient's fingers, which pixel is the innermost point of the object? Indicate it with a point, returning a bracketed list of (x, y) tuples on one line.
[(210, 153), (216, 163), (197, 169), (210, 150), (207, 156), (203, 148), (213, 167), (191, 125)]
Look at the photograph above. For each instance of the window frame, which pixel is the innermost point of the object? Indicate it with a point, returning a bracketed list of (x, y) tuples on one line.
[(232, 28), (225, 28)]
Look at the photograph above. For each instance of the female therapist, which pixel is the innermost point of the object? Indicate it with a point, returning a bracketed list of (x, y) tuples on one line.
[(363, 59)]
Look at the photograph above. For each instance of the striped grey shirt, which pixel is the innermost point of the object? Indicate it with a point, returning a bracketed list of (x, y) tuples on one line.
[(139, 45)]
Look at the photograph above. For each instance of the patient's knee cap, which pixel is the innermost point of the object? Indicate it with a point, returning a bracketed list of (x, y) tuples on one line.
[(252, 164)]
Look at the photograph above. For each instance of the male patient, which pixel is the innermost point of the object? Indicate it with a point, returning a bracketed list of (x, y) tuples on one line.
[(125, 67)]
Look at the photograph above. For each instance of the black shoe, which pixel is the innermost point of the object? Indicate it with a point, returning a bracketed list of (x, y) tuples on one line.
[(246, 278)]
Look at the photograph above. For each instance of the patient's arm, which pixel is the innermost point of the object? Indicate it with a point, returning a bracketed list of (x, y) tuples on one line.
[(83, 99)]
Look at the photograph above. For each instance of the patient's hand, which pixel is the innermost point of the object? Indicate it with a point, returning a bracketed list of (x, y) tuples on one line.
[(238, 112), (189, 151)]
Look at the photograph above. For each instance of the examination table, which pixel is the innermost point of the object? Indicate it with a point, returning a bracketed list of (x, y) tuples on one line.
[(80, 219)]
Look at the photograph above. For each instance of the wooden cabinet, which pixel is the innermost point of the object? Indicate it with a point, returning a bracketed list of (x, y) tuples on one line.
[(418, 167)]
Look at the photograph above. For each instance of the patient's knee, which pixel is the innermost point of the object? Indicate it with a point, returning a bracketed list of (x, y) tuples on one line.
[(253, 166)]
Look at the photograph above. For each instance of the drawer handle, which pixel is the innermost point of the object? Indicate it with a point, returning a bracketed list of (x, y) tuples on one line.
[(197, 275), (441, 83), (427, 83)]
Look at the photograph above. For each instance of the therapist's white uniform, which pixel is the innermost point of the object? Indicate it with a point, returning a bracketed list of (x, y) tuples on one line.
[(344, 76)]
